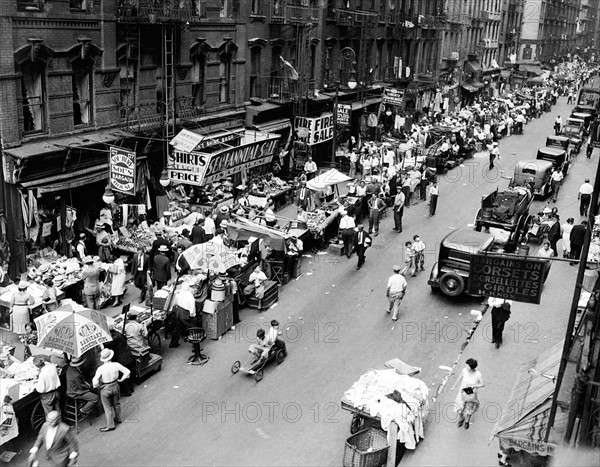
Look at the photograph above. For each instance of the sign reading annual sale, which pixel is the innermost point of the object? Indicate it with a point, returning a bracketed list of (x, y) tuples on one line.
[(122, 164)]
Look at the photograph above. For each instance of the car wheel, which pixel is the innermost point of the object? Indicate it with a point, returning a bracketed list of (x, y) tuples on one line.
[(452, 284)]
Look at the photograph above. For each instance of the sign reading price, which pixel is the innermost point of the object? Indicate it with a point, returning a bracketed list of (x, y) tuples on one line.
[(122, 170)]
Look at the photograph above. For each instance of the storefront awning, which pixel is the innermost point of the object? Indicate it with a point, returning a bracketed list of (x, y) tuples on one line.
[(472, 86), (533, 69), (366, 103), (60, 144), (472, 66), (329, 178), (524, 422), (274, 125)]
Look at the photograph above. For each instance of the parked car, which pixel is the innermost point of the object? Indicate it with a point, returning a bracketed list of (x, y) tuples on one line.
[(575, 135), (560, 158), (451, 272), (587, 119), (562, 142), (578, 122), (534, 174)]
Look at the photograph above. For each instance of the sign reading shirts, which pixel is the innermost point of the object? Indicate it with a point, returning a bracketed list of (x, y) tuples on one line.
[(197, 168), (393, 96), (319, 129), (343, 114), (508, 277), (121, 170)]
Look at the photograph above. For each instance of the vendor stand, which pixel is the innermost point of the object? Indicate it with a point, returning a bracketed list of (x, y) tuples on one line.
[(35, 290), (389, 399)]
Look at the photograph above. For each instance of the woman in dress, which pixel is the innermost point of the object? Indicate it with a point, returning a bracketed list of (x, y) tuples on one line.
[(117, 287), (19, 309), (467, 403), (103, 242), (49, 298), (566, 236)]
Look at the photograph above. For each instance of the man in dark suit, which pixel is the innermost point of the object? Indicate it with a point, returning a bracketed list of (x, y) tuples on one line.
[(160, 240), (302, 196), (362, 241), (78, 388), (198, 233), (577, 238), (161, 267), (139, 270), (58, 440)]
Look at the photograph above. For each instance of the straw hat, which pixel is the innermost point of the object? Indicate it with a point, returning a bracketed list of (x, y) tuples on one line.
[(397, 268), (106, 355), (163, 248), (77, 361), (224, 209), (23, 285)]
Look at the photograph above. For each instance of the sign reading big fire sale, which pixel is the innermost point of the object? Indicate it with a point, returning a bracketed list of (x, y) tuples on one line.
[(122, 170), (508, 277), (319, 129)]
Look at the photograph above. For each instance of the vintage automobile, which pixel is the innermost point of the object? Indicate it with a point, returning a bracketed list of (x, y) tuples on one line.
[(451, 272), (507, 210), (587, 120), (534, 174), (560, 158), (575, 135), (578, 122), (561, 142)]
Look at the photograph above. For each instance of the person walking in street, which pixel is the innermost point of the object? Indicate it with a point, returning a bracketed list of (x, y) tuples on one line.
[(467, 402), (47, 384), (554, 233), (585, 196), (362, 241), (117, 285), (418, 247), (409, 259), (347, 227), (139, 267), (398, 211), (546, 251), (566, 228), (556, 182), (557, 125), (433, 198), (91, 283), (375, 205), (396, 289), (107, 379), (58, 440), (161, 268), (310, 168), (500, 315), (578, 239), (494, 153)]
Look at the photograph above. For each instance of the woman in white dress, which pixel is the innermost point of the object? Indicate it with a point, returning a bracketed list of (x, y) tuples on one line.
[(566, 236), (117, 286), (467, 403)]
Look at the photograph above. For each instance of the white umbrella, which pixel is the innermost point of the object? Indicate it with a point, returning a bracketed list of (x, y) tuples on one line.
[(72, 332)]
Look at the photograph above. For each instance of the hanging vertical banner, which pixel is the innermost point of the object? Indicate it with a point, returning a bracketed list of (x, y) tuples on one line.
[(121, 170), (342, 116)]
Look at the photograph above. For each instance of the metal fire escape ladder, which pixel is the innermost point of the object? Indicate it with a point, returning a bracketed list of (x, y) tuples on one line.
[(169, 82)]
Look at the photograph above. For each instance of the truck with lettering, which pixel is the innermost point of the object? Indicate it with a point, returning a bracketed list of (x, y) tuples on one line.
[(452, 272)]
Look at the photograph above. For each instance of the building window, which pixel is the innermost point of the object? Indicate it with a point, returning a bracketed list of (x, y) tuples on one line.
[(224, 13), (256, 7), (127, 77), (81, 5), (30, 5), (224, 78), (254, 72), (198, 80), (82, 93), (32, 94)]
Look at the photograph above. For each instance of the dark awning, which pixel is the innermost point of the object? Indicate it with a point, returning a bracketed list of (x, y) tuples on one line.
[(472, 66)]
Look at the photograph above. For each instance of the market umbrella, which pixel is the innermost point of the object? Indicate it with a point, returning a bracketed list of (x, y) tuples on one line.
[(73, 332), (211, 256)]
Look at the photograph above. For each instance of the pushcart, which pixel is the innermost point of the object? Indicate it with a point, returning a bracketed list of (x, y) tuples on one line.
[(253, 366)]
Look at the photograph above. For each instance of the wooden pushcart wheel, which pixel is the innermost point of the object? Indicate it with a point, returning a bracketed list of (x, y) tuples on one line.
[(258, 376), (235, 367)]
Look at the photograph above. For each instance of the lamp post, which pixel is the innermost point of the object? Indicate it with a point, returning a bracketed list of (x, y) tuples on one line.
[(347, 53)]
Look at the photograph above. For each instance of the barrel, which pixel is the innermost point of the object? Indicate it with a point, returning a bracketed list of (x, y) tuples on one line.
[(523, 250), (218, 291), (296, 267), (487, 213)]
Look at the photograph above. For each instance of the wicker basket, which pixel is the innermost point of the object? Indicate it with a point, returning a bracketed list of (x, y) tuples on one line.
[(357, 452)]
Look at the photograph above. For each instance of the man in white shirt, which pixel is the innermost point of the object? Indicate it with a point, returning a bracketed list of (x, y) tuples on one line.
[(419, 249), (184, 309), (47, 384), (347, 227), (433, 198), (209, 225), (396, 289), (353, 159), (556, 182), (310, 168), (107, 379), (58, 440), (557, 125), (256, 283), (585, 196), (398, 210), (81, 248)]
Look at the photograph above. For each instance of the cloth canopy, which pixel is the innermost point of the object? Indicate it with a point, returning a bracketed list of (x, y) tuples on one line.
[(524, 422), (329, 178), (243, 229)]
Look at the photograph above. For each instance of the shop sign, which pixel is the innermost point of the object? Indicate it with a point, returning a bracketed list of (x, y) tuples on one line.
[(393, 96), (543, 449), (319, 129), (508, 277), (122, 170), (342, 116), (197, 168)]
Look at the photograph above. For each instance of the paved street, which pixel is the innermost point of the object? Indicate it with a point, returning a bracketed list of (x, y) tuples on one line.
[(334, 321)]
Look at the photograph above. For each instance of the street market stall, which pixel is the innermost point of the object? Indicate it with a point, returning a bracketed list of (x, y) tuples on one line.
[(523, 428)]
